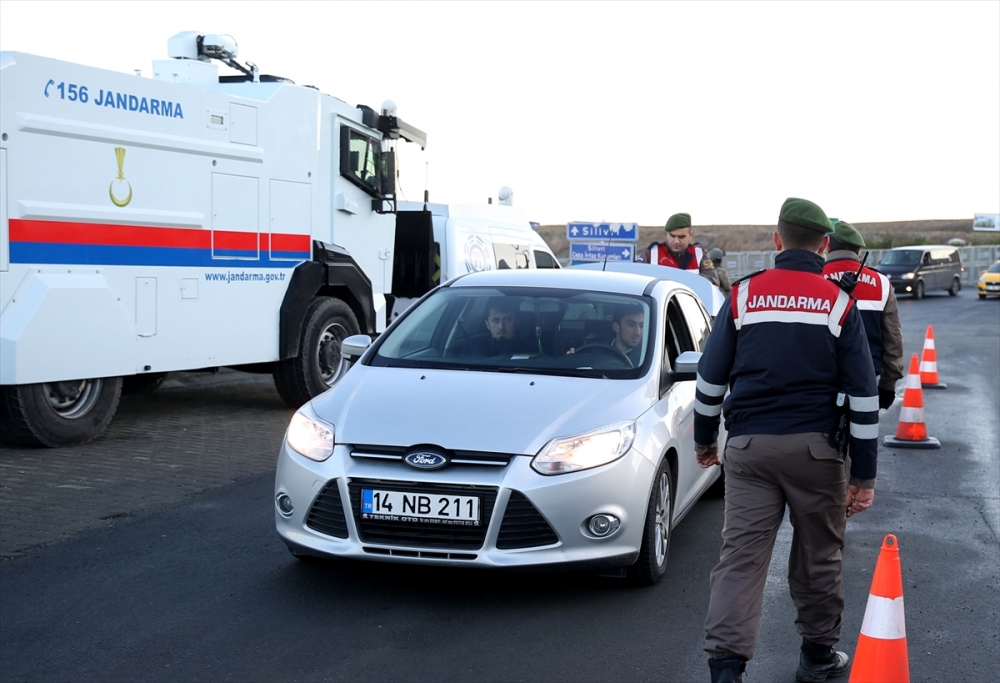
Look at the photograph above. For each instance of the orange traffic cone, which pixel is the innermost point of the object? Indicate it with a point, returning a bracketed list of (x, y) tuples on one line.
[(912, 432), (928, 363), (881, 655)]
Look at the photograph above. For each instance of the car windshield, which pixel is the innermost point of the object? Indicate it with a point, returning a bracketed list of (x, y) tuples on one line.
[(995, 268), (516, 329), (902, 257)]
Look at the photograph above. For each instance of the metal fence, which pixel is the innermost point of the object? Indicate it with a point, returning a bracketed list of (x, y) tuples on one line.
[(974, 259)]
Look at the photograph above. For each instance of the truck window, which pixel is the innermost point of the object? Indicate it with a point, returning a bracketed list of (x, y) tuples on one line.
[(544, 260), (510, 256), (359, 159)]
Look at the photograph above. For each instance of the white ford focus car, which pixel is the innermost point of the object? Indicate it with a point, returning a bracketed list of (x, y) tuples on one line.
[(508, 419)]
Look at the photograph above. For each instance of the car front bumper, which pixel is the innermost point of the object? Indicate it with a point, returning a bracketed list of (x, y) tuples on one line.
[(563, 502), (988, 288)]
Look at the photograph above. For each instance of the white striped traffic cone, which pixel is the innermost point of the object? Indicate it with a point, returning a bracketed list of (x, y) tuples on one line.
[(912, 431), (881, 655), (928, 363)]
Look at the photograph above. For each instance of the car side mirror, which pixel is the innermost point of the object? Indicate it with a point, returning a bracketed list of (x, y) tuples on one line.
[(354, 346), (686, 367)]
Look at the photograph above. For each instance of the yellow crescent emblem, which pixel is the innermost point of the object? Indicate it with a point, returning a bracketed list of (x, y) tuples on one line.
[(120, 157)]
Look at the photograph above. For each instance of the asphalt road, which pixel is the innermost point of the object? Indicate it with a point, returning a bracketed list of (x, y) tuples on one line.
[(196, 586)]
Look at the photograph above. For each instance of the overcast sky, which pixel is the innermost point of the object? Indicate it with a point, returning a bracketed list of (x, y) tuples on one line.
[(619, 111)]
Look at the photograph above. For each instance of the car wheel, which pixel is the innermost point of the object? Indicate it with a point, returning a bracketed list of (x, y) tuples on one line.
[(955, 286), (982, 296), (652, 563), (918, 290)]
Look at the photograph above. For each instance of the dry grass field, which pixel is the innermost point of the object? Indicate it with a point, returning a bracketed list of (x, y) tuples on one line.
[(732, 238)]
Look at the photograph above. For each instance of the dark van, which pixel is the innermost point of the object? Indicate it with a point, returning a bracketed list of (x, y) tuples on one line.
[(915, 270)]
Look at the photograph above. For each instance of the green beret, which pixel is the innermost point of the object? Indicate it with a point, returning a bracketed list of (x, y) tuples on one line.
[(678, 221), (848, 234), (805, 214)]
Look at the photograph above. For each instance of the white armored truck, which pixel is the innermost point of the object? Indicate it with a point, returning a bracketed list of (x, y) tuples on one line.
[(187, 221)]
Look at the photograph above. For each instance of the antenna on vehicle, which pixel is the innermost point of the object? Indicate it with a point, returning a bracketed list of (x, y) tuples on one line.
[(607, 251)]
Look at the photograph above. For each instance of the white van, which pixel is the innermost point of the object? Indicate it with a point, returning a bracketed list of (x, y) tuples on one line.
[(465, 238)]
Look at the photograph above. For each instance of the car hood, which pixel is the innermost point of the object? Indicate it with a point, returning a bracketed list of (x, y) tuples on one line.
[(476, 411)]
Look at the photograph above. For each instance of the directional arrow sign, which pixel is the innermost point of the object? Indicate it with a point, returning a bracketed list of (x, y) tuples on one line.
[(600, 252), (614, 232)]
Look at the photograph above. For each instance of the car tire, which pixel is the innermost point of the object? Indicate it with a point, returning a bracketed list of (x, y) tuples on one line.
[(955, 286), (652, 563), (58, 413), (982, 296), (918, 290), (319, 364)]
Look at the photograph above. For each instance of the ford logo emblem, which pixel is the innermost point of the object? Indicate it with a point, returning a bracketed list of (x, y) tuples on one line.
[(423, 460)]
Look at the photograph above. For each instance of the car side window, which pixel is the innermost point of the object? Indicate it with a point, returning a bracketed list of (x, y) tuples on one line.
[(677, 337), (697, 322)]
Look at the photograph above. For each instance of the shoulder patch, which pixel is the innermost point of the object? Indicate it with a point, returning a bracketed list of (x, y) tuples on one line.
[(707, 264)]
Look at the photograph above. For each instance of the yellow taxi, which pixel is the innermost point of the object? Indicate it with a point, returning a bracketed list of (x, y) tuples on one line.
[(989, 282)]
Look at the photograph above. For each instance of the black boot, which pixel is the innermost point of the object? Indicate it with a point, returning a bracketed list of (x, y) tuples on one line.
[(819, 662), (727, 669)]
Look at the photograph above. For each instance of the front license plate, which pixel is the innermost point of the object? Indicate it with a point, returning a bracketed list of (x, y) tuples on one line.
[(404, 506)]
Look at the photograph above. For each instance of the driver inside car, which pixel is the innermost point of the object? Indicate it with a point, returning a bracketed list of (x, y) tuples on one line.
[(628, 322)]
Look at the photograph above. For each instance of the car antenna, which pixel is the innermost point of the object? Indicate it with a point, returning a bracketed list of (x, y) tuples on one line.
[(607, 252)]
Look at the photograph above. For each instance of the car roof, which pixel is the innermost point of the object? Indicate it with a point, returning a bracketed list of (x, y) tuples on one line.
[(568, 278), (924, 247)]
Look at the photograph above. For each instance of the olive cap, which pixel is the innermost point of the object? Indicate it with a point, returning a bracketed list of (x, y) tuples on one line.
[(716, 254), (805, 214), (678, 221), (848, 234)]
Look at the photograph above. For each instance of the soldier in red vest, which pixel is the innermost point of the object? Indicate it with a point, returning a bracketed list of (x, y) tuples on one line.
[(876, 304), (678, 252)]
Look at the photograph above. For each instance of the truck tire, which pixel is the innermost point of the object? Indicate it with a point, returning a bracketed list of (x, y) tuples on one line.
[(319, 364), (59, 413)]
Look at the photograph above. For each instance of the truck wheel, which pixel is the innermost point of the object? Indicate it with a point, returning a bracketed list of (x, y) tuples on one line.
[(59, 413), (319, 364), (652, 563)]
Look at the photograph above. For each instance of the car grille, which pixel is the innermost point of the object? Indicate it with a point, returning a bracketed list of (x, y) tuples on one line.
[(423, 534), (327, 513), (523, 525), (396, 453)]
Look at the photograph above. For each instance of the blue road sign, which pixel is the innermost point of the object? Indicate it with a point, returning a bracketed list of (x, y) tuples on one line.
[(615, 232), (600, 252)]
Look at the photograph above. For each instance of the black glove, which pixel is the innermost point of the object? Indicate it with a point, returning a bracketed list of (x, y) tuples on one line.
[(886, 398)]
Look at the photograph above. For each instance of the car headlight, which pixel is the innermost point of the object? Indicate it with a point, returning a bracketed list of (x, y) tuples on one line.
[(309, 437), (582, 452), (908, 276)]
